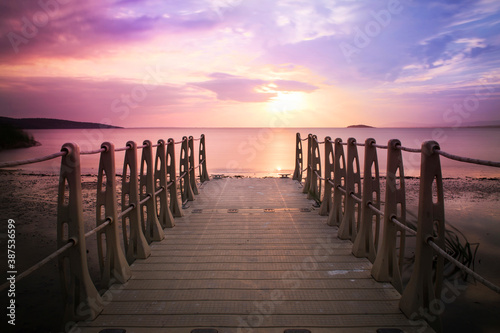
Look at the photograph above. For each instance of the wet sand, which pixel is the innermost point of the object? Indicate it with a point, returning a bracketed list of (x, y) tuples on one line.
[(31, 200)]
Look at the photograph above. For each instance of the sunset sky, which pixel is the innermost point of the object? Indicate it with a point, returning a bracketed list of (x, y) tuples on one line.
[(197, 63)]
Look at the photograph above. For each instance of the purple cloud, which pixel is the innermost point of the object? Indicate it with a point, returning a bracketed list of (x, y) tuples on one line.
[(230, 87), (88, 100)]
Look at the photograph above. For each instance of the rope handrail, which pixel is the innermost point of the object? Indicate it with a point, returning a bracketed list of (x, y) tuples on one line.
[(355, 197), (318, 142), (197, 166), (201, 162), (72, 194), (319, 176), (341, 203), (32, 160), (72, 242), (375, 209), (53, 255), (143, 201), (123, 148), (457, 263), (401, 225), (411, 150), (98, 228), (159, 190), (181, 176), (11, 164), (467, 159), (303, 139), (341, 189), (126, 211), (91, 152)]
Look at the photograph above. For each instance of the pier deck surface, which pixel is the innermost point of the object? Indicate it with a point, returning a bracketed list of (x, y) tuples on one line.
[(249, 256)]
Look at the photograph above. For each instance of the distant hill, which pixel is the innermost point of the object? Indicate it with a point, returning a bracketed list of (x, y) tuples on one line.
[(50, 123), (360, 126)]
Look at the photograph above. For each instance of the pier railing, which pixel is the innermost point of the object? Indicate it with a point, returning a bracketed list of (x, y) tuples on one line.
[(149, 203), (355, 207)]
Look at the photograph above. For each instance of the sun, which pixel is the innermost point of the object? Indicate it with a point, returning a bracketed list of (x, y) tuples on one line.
[(287, 101)]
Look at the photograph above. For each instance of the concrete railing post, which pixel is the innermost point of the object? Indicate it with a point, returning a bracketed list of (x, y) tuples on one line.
[(385, 267), (365, 244), (192, 171), (81, 299), (315, 182), (112, 261), (327, 203), (136, 246), (297, 173), (349, 227), (184, 182), (150, 224), (339, 172), (164, 215), (307, 184), (422, 296), (175, 206), (204, 177)]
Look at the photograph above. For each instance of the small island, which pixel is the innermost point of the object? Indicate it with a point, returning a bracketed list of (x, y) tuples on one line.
[(12, 137), (360, 126)]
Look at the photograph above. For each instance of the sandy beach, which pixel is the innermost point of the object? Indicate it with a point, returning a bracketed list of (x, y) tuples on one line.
[(31, 200)]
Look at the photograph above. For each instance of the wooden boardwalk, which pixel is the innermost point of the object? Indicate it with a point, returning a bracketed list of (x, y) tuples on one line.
[(250, 256)]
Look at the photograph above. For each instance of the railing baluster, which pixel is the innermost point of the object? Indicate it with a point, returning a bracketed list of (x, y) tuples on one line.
[(315, 182), (422, 294), (339, 172), (114, 266), (81, 299), (385, 267), (172, 179), (150, 224), (297, 173), (349, 226), (164, 215), (327, 203), (184, 182), (365, 244), (307, 184), (192, 173), (136, 246), (203, 160)]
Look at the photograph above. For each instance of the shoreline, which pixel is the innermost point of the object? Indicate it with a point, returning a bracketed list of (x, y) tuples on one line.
[(22, 172)]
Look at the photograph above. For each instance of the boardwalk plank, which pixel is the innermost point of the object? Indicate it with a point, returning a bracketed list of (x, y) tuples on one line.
[(251, 271)]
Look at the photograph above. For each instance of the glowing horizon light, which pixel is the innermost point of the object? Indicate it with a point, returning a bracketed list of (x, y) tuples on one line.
[(278, 168), (287, 101)]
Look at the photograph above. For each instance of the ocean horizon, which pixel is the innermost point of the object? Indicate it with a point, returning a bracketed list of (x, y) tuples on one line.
[(267, 151)]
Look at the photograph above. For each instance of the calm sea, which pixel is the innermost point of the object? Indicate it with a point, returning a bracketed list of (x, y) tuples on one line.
[(268, 151)]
